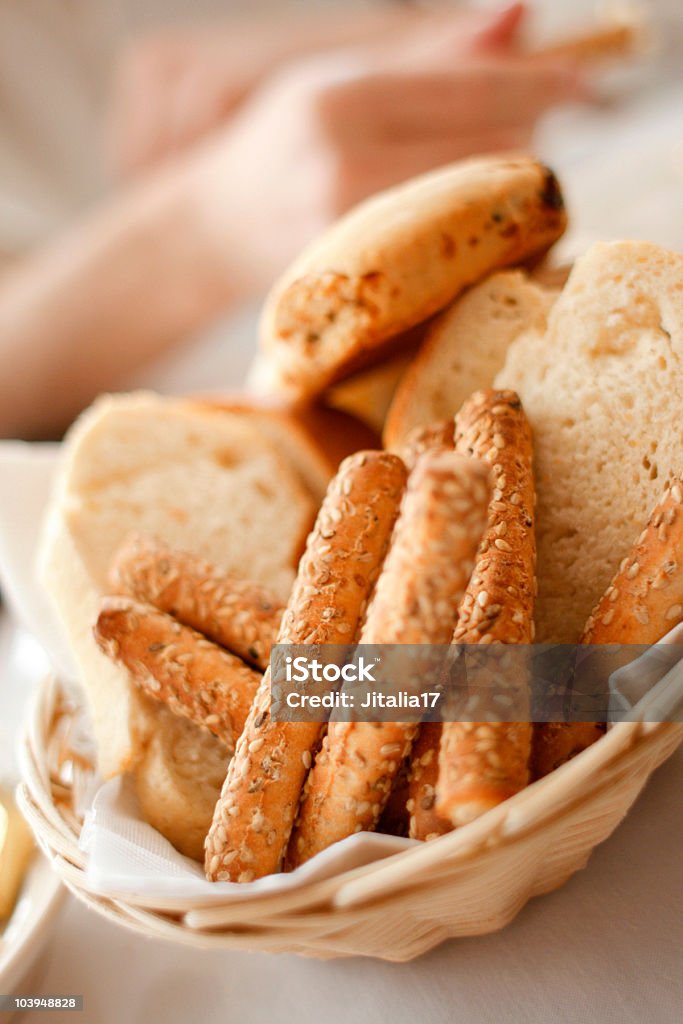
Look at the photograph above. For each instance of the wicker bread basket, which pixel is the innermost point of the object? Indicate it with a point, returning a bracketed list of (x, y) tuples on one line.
[(469, 882)]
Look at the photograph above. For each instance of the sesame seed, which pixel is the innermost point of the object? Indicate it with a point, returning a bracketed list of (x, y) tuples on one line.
[(482, 598), (677, 494), (675, 611), (641, 615), (502, 545), (633, 571), (607, 618)]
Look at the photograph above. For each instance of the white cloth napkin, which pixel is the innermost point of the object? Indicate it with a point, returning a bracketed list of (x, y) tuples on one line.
[(126, 856)]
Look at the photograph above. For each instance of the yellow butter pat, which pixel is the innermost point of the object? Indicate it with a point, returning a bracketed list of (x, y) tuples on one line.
[(16, 850)]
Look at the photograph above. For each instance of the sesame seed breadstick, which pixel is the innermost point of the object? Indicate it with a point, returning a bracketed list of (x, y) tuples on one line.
[(343, 556), (239, 615), (423, 767), (483, 763), (434, 436), (424, 822), (415, 602), (642, 603), (173, 664), (645, 599)]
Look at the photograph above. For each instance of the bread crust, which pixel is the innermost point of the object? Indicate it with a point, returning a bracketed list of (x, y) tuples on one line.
[(441, 522), (424, 821), (645, 598), (375, 274), (642, 603), (255, 813), (176, 665), (241, 616), (423, 763), (483, 763), (313, 437), (436, 436)]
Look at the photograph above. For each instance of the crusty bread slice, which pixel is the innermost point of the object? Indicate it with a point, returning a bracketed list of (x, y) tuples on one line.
[(201, 479), (603, 390), (399, 258), (464, 349)]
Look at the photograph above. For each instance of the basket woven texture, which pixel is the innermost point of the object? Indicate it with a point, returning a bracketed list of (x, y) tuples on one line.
[(472, 881)]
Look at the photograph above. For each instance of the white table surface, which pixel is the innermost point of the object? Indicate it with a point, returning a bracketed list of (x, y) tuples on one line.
[(605, 948)]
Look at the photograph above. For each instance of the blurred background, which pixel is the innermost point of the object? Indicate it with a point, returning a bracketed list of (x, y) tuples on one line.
[(119, 229)]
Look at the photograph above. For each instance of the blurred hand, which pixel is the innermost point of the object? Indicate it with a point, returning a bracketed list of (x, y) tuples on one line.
[(173, 88), (326, 133)]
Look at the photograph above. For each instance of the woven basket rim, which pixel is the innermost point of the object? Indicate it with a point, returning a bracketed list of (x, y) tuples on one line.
[(46, 802)]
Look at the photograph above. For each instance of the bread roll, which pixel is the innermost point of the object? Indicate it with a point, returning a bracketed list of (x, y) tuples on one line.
[(400, 257)]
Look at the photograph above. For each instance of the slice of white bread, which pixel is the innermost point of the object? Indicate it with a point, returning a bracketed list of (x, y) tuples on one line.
[(464, 349), (202, 479), (313, 438), (603, 390)]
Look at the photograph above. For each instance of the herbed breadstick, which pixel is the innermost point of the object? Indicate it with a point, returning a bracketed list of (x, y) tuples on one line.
[(177, 666), (343, 556), (431, 437), (483, 763), (642, 603), (237, 614), (415, 602)]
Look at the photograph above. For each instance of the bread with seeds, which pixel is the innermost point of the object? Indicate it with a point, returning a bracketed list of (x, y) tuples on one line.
[(400, 257), (241, 616), (464, 348), (482, 763), (602, 388), (423, 763), (424, 822), (255, 812), (313, 438), (439, 435), (645, 598), (178, 666), (201, 480), (442, 519), (642, 603)]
